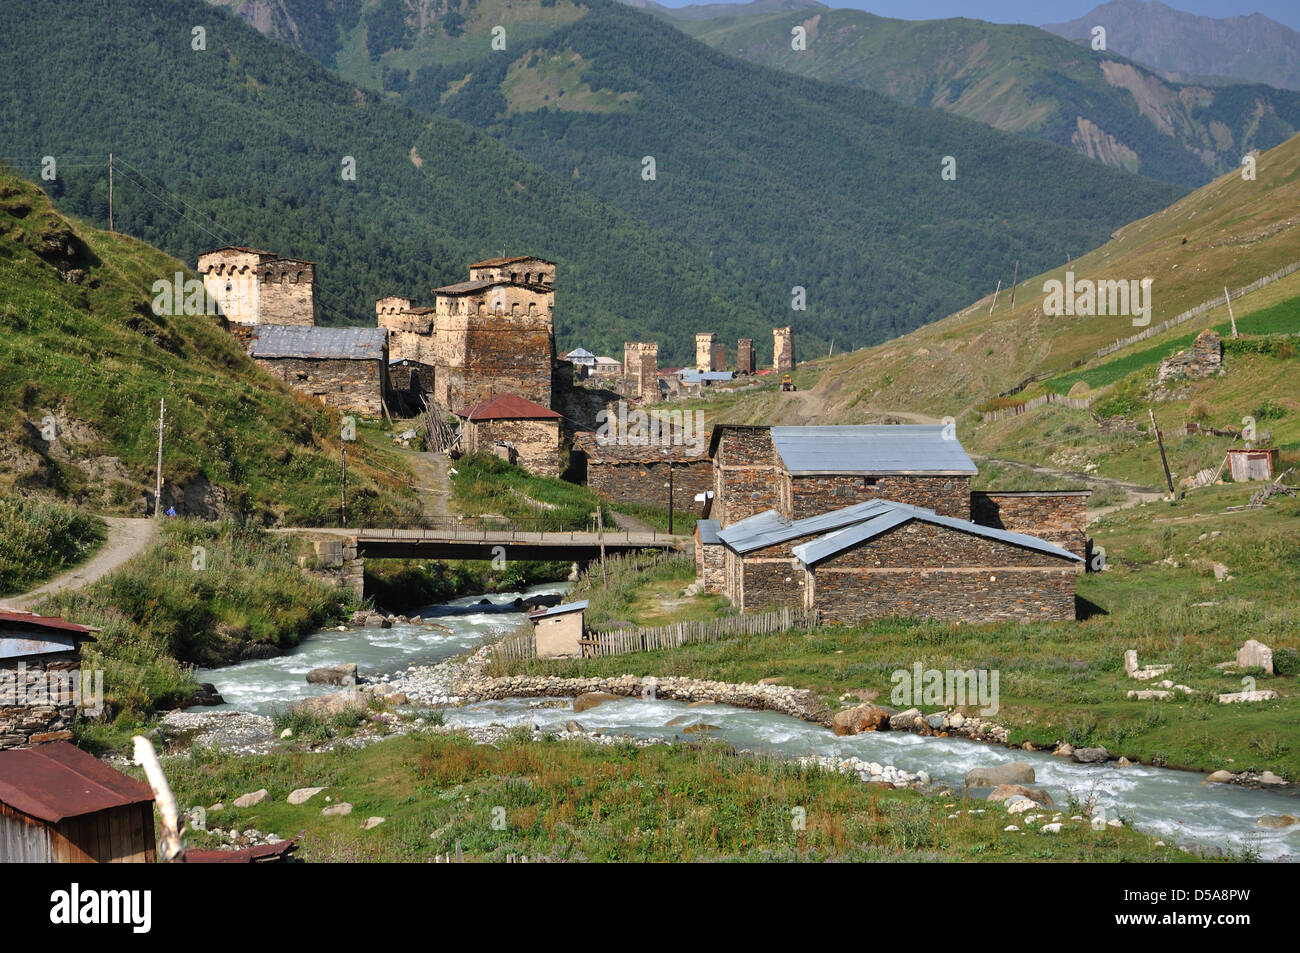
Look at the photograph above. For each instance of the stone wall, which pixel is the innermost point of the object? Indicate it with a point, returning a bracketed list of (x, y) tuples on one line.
[(710, 566), (353, 386), (1058, 517), (746, 474), (287, 292), (1203, 359), (536, 442), (814, 495), (929, 571), (22, 726), (645, 481)]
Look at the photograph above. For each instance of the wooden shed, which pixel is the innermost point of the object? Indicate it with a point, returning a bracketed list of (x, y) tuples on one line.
[(1245, 465), (61, 805)]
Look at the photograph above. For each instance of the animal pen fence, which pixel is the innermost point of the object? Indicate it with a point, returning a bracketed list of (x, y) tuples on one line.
[(620, 641)]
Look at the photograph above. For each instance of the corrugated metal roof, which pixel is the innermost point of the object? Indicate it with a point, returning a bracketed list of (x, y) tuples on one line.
[(257, 854), (57, 780), (509, 407), (708, 531), (770, 528), (896, 448), (690, 375), (43, 621), (318, 343), (895, 514), (561, 609)]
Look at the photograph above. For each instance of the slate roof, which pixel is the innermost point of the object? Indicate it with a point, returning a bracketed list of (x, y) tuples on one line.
[(496, 262), (469, 287), (889, 448), (318, 343), (509, 407), (561, 609), (770, 528), (690, 375), (896, 514), (56, 780)]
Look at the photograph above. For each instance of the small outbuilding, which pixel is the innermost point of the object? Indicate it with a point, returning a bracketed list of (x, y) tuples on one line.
[(346, 368), (516, 429), (558, 630), (40, 677), (61, 805), (1247, 465)]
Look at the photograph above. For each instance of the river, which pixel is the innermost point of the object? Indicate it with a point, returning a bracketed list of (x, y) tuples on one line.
[(1174, 805)]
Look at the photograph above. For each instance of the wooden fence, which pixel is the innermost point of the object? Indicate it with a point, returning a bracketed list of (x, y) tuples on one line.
[(623, 640), (1076, 403)]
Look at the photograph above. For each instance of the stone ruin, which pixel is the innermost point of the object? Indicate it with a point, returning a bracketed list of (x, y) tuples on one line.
[(1203, 359)]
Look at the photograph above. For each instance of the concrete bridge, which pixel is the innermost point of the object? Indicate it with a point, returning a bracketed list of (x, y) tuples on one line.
[(346, 549)]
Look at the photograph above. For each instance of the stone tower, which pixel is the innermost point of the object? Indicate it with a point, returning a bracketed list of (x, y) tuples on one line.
[(745, 356), (252, 286), (641, 370), (705, 350), (782, 349)]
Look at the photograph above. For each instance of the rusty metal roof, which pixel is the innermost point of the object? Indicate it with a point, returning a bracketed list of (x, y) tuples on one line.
[(259, 853), (55, 781), (509, 407), (24, 634), (43, 621)]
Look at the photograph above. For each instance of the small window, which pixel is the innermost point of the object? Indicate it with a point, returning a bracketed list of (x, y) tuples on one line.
[(870, 481)]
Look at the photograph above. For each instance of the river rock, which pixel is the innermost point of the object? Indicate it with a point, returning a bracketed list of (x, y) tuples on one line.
[(1013, 772), (1219, 777), (904, 720), (1277, 822), (344, 675), (1268, 777), (1005, 791), (1019, 804), (341, 809), (303, 795), (591, 700), (1255, 654), (1091, 755), (700, 726), (1064, 750), (251, 800), (854, 721), (335, 704)]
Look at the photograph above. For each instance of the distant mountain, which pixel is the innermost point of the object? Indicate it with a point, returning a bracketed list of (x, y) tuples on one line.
[(1022, 79), (710, 11), (779, 183), (1252, 49)]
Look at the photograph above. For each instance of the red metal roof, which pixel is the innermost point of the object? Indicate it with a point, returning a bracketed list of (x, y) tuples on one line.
[(509, 407), (44, 621), (58, 780), (261, 853)]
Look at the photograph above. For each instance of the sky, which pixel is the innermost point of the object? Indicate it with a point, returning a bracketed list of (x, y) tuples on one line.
[(1039, 12)]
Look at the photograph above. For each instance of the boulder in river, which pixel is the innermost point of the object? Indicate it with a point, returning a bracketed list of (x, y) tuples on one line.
[(1091, 755), (1013, 772), (1277, 822), (591, 700), (1219, 777), (854, 721), (206, 695), (344, 675)]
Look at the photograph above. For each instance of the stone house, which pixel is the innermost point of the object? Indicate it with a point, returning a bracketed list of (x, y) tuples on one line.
[(1058, 516), (252, 286), (346, 368), (633, 473), (527, 432), (905, 561), (40, 672)]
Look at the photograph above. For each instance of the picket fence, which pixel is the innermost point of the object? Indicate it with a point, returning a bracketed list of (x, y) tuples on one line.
[(620, 641), (1075, 403)]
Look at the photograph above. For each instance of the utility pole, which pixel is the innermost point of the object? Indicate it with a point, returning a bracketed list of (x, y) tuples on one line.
[(1161, 444), (157, 490), (996, 292), (1228, 298), (343, 488), (670, 497), (110, 191), (1014, 278)]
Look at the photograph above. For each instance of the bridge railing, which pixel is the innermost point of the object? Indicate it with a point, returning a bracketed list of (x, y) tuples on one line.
[(490, 528)]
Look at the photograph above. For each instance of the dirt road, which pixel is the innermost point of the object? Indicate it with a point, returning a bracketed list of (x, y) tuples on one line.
[(127, 538)]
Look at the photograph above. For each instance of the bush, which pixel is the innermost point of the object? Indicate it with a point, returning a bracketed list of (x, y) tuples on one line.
[(39, 540)]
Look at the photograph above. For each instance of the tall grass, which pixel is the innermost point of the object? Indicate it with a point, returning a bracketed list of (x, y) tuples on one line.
[(39, 540)]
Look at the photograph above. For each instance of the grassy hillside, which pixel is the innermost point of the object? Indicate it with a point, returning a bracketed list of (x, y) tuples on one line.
[(1022, 79), (85, 361), (775, 182), (253, 135)]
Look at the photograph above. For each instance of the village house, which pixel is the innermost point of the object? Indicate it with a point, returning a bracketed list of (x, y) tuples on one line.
[(346, 368), (640, 472), (40, 663), (780, 491), (518, 430)]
